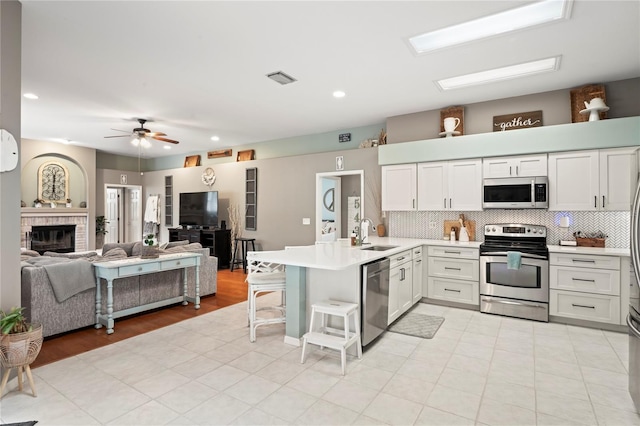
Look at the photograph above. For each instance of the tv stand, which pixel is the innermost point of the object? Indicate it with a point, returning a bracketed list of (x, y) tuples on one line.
[(218, 241)]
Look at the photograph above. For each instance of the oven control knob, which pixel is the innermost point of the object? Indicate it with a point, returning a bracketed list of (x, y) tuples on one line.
[(493, 229), (528, 229)]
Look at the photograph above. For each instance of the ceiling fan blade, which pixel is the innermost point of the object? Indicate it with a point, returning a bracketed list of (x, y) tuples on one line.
[(154, 134), (125, 131), (165, 139), (118, 136)]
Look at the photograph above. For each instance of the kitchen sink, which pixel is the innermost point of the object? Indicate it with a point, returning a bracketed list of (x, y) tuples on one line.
[(379, 248)]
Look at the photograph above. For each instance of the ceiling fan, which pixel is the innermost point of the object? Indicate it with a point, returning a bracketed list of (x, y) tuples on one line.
[(140, 135)]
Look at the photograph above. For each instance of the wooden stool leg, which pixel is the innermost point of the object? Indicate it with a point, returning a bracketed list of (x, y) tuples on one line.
[(4, 381), (20, 378), (30, 378)]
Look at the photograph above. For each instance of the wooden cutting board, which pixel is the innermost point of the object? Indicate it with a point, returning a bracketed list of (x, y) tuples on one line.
[(470, 225)]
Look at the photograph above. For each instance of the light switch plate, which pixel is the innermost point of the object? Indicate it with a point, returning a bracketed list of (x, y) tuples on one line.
[(306, 221)]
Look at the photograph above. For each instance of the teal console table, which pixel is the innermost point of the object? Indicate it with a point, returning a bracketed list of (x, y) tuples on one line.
[(129, 267)]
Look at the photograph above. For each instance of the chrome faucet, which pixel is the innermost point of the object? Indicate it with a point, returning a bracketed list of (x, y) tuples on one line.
[(359, 237)]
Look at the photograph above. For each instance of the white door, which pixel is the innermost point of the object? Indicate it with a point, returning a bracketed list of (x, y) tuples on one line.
[(465, 185), (399, 187), (133, 222), (433, 186), (574, 181), (112, 214), (618, 174)]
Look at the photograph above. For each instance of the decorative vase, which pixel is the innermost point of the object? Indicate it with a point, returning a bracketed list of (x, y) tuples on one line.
[(37, 205), (68, 205), (381, 230)]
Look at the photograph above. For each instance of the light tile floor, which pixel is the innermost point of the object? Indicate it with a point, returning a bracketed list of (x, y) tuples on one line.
[(478, 369)]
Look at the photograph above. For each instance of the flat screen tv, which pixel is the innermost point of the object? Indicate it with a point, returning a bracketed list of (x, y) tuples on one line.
[(199, 209)]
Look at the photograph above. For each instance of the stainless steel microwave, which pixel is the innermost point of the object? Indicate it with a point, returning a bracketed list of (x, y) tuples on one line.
[(516, 193)]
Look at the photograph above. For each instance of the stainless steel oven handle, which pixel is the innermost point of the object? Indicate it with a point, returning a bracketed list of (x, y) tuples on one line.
[(504, 253), (508, 302), (632, 328)]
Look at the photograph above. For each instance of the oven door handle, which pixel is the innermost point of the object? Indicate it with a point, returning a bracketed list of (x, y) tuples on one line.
[(524, 255), (508, 302)]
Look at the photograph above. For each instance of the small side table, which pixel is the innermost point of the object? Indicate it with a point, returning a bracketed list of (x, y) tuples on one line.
[(243, 243)]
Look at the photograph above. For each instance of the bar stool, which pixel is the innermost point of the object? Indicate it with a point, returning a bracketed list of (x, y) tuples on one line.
[(332, 337), (264, 277), (243, 242)]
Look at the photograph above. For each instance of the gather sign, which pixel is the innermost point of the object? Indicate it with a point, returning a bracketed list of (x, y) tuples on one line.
[(520, 120)]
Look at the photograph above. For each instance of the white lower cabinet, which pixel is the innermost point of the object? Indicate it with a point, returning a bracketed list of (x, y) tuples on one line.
[(418, 274), (586, 287), (400, 285), (453, 274)]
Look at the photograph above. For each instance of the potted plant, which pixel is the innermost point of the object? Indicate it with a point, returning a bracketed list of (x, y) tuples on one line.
[(20, 344), (149, 247), (101, 229)]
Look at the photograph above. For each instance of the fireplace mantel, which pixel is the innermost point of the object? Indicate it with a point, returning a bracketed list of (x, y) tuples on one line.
[(58, 211)]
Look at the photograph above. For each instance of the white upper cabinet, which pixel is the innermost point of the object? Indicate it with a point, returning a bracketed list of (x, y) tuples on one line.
[(399, 187), (593, 180), (450, 185), (523, 166)]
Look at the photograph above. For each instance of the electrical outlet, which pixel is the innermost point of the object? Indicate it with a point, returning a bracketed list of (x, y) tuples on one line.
[(432, 225), (306, 221)]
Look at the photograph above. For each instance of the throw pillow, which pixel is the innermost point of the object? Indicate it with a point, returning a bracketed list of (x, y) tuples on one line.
[(177, 243), (176, 249), (136, 250), (113, 254), (30, 253), (163, 245)]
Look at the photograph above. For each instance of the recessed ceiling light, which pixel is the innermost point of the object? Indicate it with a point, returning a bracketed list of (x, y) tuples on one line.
[(30, 96), (510, 20), (499, 74), (339, 94), (166, 147), (215, 138), (280, 77)]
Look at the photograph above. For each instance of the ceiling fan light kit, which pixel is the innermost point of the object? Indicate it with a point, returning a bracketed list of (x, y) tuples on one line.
[(141, 136)]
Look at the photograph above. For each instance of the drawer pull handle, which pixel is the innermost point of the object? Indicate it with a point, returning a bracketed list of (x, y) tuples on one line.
[(452, 252), (582, 279), (400, 258), (139, 268), (582, 306), (452, 269), (583, 260), (450, 289), (178, 262)]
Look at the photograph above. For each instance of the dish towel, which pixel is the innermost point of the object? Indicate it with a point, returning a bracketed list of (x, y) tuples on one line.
[(513, 260)]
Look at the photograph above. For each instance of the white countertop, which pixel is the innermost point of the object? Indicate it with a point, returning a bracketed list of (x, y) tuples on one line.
[(603, 251), (341, 255)]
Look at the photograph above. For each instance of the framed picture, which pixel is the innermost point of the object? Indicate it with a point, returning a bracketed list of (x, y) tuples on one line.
[(192, 161), (53, 182), (584, 94), (220, 153), (340, 162)]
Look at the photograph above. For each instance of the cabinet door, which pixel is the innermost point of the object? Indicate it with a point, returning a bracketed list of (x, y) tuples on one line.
[(618, 177), (498, 167), (531, 165), (394, 286), (465, 185), (417, 279), (433, 186), (573, 181), (405, 290), (399, 187)]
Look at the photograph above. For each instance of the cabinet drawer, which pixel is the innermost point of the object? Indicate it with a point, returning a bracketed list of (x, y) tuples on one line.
[(453, 268), (602, 281), (456, 291), (585, 260), (144, 268), (455, 252), (178, 263), (400, 258), (590, 307), (416, 252)]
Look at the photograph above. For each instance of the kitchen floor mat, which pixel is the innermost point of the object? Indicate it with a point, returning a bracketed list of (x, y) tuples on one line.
[(416, 324)]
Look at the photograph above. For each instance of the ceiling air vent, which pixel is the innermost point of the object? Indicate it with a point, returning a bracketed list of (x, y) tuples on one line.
[(281, 77)]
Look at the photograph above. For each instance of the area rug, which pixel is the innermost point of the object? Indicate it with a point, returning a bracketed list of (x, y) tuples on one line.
[(417, 324)]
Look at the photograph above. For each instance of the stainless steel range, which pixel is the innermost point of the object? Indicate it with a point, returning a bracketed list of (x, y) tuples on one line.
[(514, 271)]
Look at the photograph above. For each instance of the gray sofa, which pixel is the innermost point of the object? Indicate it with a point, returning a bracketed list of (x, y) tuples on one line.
[(42, 306)]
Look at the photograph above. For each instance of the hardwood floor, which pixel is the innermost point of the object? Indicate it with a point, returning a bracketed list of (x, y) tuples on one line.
[(231, 290)]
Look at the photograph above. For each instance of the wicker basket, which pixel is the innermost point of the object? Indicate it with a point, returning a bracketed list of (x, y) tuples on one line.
[(19, 349), (590, 242), (150, 252)]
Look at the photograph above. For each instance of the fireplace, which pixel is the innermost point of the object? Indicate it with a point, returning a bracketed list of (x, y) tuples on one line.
[(56, 238)]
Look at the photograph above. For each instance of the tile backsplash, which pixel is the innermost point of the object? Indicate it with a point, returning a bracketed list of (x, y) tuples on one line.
[(615, 224)]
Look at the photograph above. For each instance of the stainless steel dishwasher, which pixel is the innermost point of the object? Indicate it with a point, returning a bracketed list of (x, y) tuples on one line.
[(375, 299)]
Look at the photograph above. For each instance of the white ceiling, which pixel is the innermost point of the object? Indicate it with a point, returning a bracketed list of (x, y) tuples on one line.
[(198, 69)]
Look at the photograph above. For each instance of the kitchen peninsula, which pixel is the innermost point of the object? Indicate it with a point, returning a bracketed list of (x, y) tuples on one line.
[(332, 270)]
